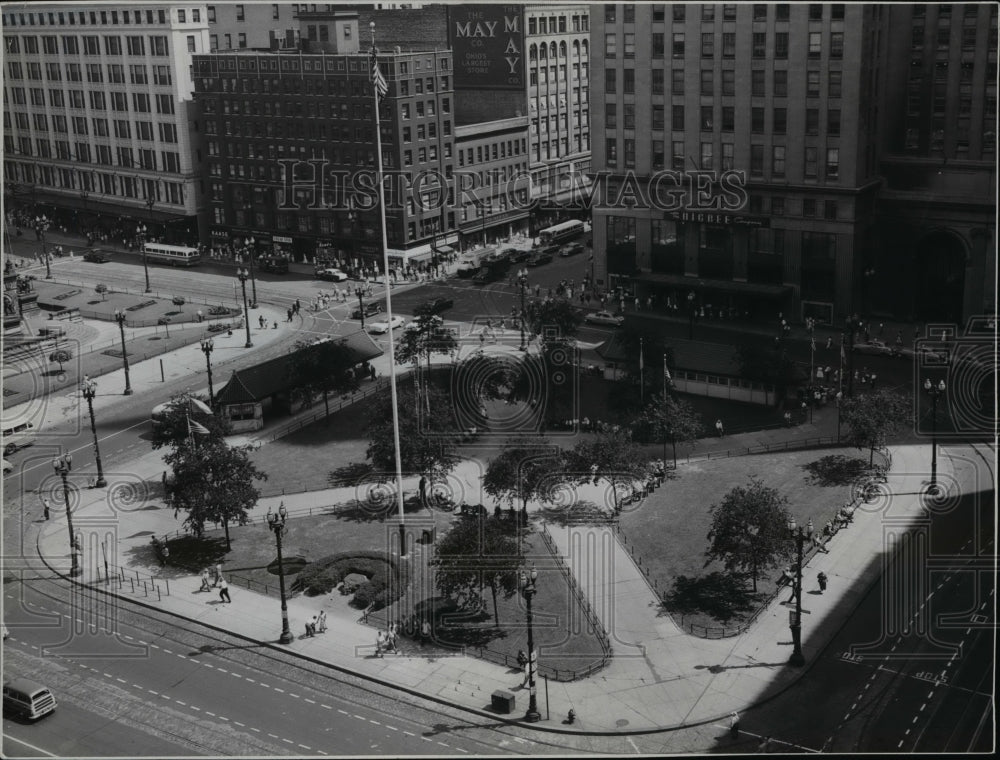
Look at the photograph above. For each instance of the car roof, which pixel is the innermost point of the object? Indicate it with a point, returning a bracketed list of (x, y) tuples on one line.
[(25, 685)]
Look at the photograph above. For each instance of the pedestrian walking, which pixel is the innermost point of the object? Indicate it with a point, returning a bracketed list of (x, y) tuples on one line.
[(289, 313), (821, 578), (311, 627), (829, 343), (45, 506), (871, 379), (206, 585), (372, 373), (321, 622), (379, 643), (425, 631), (224, 592), (734, 725), (719, 428), (298, 305), (218, 575)]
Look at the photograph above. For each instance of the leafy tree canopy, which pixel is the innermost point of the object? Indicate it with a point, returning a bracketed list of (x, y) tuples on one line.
[(749, 530), (321, 367), (669, 419), (171, 427), (213, 482), (527, 469), (871, 418), (554, 320), (611, 455)]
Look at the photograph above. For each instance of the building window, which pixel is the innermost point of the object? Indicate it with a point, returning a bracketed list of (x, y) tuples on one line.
[(706, 118), (834, 88), (630, 44), (658, 45), (781, 45), (708, 12), (728, 119), (677, 81), (629, 116), (759, 44), (610, 116), (815, 12), (658, 154), (609, 16), (808, 207), (830, 210), (757, 160), (728, 44), (833, 122), (780, 121), (757, 83), (815, 44), (707, 82), (658, 118), (812, 121), (677, 49), (728, 82), (812, 84), (628, 81), (677, 155), (708, 45), (706, 156), (657, 81), (778, 161), (240, 15), (729, 11), (728, 156), (610, 81), (611, 150), (757, 120), (678, 12), (836, 44), (677, 118), (810, 162), (759, 12), (610, 45), (832, 163)]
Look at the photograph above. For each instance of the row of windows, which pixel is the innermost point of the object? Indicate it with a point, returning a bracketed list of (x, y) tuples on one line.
[(544, 75), (782, 12), (102, 155), (110, 185), (138, 73), (551, 123), (727, 122), (97, 100), (550, 51), (758, 79), (942, 40), (492, 152), (549, 150), (218, 64), (122, 128), (421, 85), (680, 160), (558, 24), (89, 45), (758, 48), (341, 87), (92, 18), (580, 95)]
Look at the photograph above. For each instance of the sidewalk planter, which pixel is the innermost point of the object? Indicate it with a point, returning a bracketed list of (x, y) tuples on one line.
[(503, 701)]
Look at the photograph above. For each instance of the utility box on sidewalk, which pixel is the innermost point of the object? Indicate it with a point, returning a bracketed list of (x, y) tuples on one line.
[(503, 701)]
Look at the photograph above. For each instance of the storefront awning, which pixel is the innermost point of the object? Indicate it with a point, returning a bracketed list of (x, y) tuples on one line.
[(701, 284), (445, 249)]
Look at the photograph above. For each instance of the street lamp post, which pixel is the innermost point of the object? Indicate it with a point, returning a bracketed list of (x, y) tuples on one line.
[(852, 325), (207, 346), (869, 275), (528, 589), (276, 522), (360, 292), (42, 225), (691, 298), (522, 280), (89, 390), (140, 233), (934, 391), (120, 319), (250, 242), (799, 536), (242, 275), (62, 465)]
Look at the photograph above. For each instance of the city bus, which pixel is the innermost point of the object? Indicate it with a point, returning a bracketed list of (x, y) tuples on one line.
[(175, 255), (561, 233)]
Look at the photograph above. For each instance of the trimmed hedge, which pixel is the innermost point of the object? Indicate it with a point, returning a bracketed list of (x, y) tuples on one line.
[(385, 584)]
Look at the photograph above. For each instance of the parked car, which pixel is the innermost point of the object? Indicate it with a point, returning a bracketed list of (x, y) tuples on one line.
[(517, 255), (538, 259), (371, 308), (603, 318), (440, 304), (572, 249), (331, 273), (876, 346), (97, 257), (383, 326)]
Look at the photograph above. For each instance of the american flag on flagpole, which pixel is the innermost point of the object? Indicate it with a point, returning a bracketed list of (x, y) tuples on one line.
[(378, 80), (666, 370), (640, 355)]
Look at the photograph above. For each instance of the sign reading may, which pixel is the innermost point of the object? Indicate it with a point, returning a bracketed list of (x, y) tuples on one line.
[(488, 44)]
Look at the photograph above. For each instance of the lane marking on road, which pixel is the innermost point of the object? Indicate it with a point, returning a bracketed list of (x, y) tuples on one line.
[(310, 701), (209, 713), (223, 717), (294, 695), (121, 680), (154, 693), (915, 718), (8, 737), (462, 750), (900, 744), (304, 746), (248, 679), (273, 736), (326, 707), (257, 730), (442, 744), (408, 733), (374, 721), (195, 708), (241, 725), (360, 717), (288, 741), (391, 728), (222, 670), (922, 708), (183, 704)]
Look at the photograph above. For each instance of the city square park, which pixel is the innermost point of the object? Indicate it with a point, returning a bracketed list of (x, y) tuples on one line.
[(478, 526)]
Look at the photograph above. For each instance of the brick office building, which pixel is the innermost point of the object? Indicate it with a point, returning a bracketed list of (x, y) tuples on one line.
[(97, 113), (278, 122)]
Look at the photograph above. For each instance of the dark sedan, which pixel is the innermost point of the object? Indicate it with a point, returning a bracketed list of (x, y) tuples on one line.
[(371, 309), (539, 258), (96, 257), (440, 304), (572, 249)]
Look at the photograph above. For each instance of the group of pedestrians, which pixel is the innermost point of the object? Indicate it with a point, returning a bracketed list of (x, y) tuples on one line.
[(213, 578), (316, 625), (385, 641)]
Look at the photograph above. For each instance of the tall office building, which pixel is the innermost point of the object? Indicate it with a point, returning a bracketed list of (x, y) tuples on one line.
[(97, 109), (936, 259), (864, 134), (285, 129), (784, 95), (558, 65)]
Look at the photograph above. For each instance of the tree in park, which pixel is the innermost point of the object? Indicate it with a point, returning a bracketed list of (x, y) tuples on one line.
[(872, 417), (179, 302), (213, 482), (670, 419), (60, 356), (553, 320), (427, 442), (526, 469), (770, 365), (478, 551), (612, 455), (428, 337), (185, 415), (102, 289), (749, 529), (322, 367)]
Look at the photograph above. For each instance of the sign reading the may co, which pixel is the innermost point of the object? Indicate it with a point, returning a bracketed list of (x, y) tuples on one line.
[(488, 45)]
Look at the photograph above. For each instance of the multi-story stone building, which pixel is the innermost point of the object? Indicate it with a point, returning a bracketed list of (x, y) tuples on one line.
[(97, 110), (558, 65), (936, 258), (288, 131), (774, 120)]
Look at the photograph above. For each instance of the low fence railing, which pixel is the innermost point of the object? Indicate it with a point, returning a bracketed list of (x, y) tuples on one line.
[(134, 582)]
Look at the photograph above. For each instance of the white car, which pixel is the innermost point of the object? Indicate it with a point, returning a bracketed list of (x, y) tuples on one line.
[(414, 324), (385, 325), (603, 318), (333, 274)]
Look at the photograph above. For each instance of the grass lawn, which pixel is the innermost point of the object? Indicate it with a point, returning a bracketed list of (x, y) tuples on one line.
[(669, 530)]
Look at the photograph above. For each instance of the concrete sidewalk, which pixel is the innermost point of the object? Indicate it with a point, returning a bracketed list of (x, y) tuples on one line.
[(658, 678)]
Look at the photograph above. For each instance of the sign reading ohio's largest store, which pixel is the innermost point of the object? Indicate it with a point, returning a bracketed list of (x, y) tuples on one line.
[(488, 45)]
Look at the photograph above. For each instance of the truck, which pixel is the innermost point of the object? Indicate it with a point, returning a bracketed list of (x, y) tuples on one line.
[(492, 268), (470, 262)]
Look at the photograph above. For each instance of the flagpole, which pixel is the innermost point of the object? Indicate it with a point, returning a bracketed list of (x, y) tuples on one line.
[(388, 308), (664, 377), (642, 373)]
